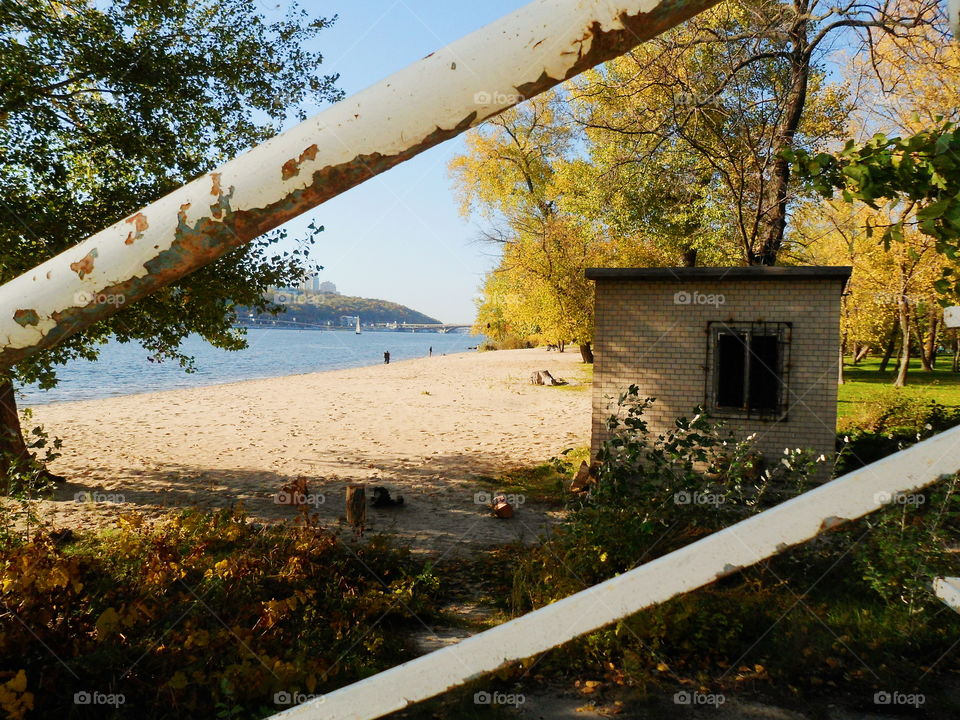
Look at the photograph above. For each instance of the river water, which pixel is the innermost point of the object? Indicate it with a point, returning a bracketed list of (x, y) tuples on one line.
[(124, 369)]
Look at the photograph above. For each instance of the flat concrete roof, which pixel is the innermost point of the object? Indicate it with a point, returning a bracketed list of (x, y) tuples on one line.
[(751, 272)]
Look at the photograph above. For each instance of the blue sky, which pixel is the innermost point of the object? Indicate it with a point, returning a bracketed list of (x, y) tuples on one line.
[(399, 236)]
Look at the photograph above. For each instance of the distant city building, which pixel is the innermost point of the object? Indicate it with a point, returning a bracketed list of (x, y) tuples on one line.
[(349, 320), (327, 287), (311, 283)]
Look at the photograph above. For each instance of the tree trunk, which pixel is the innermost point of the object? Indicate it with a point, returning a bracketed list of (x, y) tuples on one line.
[(904, 363), (840, 367), (773, 208), (586, 352), (891, 345), (956, 351), (933, 316), (924, 360), (13, 449), (861, 354)]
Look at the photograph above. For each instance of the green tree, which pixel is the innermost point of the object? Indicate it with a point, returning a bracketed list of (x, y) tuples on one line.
[(919, 175), (105, 107)]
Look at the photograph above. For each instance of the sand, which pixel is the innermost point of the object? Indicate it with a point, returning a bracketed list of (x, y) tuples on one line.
[(426, 429)]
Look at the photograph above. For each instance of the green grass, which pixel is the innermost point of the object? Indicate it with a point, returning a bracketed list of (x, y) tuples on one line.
[(864, 383), (582, 382), (540, 483)]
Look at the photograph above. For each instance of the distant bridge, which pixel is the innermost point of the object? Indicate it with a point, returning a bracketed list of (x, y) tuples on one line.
[(438, 327)]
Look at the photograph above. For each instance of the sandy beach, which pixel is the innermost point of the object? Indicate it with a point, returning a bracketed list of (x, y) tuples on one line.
[(426, 429)]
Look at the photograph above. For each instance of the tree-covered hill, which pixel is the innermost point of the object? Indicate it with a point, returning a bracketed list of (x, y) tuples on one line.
[(324, 309)]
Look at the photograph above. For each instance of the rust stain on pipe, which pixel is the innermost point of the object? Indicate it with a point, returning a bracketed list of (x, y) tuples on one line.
[(291, 167), (26, 317), (203, 242), (84, 266), (139, 222)]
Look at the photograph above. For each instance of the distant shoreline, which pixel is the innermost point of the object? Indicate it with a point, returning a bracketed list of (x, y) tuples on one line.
[(126, 369), (329, 328), (245, 381)]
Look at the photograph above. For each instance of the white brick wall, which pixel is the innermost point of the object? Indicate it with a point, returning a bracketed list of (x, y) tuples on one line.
[(643, 337)]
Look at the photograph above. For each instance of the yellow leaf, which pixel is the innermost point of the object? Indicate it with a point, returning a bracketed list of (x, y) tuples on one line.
[(107, 623), (178, 681), (19, 682)]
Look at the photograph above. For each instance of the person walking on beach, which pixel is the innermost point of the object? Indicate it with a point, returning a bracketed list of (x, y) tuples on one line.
[(386, 358), (431, 351)]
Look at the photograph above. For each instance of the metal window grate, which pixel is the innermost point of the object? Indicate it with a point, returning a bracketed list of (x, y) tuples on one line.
[(753, 383)]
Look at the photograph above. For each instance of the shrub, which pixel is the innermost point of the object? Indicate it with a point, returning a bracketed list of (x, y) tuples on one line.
[(892, 422), (208, 615), (811, 615)]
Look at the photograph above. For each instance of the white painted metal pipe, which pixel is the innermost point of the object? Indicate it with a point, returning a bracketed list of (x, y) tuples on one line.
[(953, 10), (948, 590), (741, 545), (432, 100)]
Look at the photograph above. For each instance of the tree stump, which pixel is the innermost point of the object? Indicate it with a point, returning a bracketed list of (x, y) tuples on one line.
[(356, 506), (543, 377)]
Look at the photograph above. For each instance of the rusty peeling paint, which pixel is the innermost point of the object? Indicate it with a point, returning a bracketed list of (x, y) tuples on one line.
[(215, 183), (139, 222), (209, 238), (291, 168), (84, 266), (222, 206), (605, 45), (26, 317)]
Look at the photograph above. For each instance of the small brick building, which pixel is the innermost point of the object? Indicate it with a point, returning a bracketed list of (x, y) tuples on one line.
[(757, 346)]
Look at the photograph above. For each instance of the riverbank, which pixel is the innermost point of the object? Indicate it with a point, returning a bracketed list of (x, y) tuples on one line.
[(127, 368), (429, 429)]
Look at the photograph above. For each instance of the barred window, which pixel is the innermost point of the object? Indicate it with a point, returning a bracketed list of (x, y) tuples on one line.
[(747, 368)]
